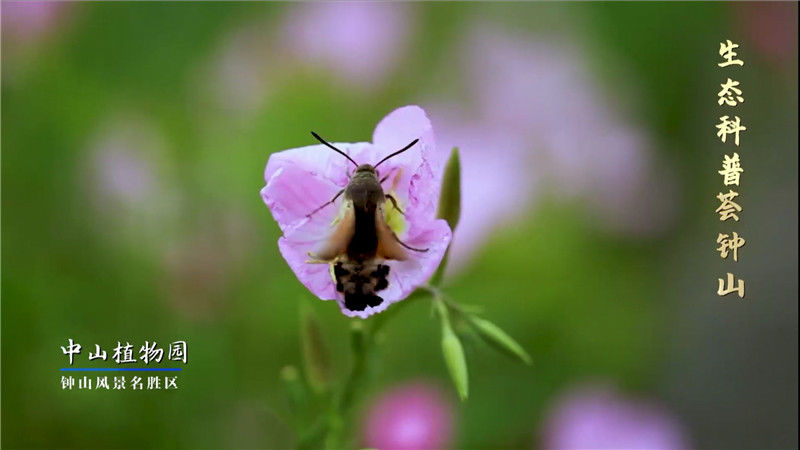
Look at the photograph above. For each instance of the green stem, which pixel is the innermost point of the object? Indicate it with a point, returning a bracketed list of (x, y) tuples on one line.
[(440, 296), (362, 347)]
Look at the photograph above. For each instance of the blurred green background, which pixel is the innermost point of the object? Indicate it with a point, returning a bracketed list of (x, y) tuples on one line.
[(134, 138)]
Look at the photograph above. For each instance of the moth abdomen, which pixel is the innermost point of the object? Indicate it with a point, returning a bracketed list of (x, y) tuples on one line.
[(364, 243), (359, 302), (359, 283)]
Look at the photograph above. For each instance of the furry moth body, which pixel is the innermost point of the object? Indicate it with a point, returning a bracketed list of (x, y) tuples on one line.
[(362, 242)]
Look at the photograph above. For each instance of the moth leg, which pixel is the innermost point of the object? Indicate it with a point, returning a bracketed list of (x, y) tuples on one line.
[(421, 250), (394, 203), (388, 175), (325, 204), (315, 260)]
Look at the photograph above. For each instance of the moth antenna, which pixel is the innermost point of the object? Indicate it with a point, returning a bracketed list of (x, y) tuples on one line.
[(397, 152), (334, 148)]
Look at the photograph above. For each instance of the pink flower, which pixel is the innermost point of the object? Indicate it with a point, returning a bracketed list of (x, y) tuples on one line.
[(499, 180), (124, 175), (298, 181), (360, 42), (29, 21), (124, 162), (574, 133), (772, 29), (598, 417), (240, 75), (411, 416), (129, 184)]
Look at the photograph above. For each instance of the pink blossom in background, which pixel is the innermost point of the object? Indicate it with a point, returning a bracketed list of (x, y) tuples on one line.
[(121, 161), (536, 123), (599, 417), (529, 84), (543, 95), (771, 27), (241, 71), (126, 180), (630, 188), (357, 43), (410, 416), (30, 21), (123, 175), (28, 28), (360, 42), (300, 180), (497, 182)]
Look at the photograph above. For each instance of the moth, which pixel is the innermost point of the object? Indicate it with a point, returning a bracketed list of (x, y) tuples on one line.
[(361, 241)]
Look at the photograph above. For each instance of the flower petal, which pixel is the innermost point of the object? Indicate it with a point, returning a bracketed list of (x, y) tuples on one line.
[(394, 132), (301, 180), (419, 267), (402, 126), (294, 247), (291, 194), (316, 159)]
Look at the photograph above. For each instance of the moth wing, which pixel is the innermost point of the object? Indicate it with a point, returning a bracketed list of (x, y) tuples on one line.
[(388, 244), (342, 234)]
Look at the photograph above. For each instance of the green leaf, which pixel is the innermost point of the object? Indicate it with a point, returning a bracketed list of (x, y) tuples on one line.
[(450, 199), (499, 339), (315, 354), (454, 355), (449, 205)]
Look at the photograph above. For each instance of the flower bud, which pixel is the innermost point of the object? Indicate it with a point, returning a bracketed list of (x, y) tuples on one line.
[(499, 339)]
